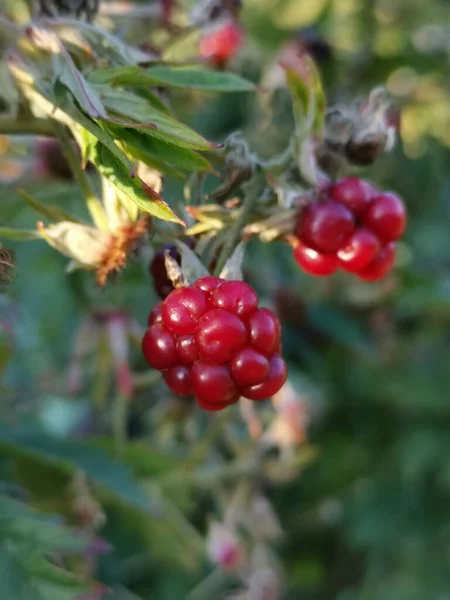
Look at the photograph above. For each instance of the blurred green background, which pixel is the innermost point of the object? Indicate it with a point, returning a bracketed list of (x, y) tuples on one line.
[(369, 517)]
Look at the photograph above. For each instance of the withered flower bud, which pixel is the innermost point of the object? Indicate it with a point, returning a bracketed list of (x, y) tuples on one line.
[(359, 133)]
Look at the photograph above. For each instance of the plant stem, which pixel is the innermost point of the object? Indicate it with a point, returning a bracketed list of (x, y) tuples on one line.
[(209, 477), (280, 163), (92, 202), (120, 423), (202, 447), (27, 127), (252, 190)]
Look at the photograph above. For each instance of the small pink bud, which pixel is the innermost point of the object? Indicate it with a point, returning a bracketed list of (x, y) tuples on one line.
[(223, 547)]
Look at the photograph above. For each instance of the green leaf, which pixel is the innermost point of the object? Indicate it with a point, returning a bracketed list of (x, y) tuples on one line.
[(35, 529), (104, 44), (112, 478), (65, 70), (93, 128), (167, 534), (139, 110), (27, 538), (201, 79), (134, 188), (85, 95), (19, 235), (53, 213), (178, 76), (307, 93), (163, 152), (26, 575), (154, 162)]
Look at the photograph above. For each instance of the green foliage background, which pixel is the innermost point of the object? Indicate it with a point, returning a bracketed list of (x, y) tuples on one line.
[(369, 517)]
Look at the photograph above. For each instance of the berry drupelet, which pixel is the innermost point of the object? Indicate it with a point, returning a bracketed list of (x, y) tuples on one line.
[(211, 340)]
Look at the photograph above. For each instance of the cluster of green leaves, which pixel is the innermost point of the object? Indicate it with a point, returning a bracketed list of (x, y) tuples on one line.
[(105, 92), (32, 547)]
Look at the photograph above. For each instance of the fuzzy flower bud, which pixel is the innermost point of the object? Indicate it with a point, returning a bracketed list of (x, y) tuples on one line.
[(359, 133)]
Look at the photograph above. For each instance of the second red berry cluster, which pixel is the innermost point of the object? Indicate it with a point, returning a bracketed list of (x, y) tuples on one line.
[(354, 227), (211, 340)]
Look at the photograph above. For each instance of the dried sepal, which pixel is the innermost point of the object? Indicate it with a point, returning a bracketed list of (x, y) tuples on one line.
[(192, 267), (233, 267), (275, 227)]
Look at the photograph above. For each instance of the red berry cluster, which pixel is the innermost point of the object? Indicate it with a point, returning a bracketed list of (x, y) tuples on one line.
[(211, 340), (353, 228), (221, 44)]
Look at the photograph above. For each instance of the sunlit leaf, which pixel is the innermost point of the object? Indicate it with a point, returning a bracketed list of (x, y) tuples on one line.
[(134, 188), (177, 76), (139, 110), (307, 93), (161, 151)]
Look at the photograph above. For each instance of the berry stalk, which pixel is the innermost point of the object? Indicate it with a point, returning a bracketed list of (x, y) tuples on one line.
[(252, 190)]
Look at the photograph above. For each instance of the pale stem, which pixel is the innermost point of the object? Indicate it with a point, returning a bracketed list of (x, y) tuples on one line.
[(92, 202)]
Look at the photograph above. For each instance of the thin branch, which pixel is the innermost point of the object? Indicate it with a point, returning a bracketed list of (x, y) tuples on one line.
[(94, 205), (252, 190), (9, 126)]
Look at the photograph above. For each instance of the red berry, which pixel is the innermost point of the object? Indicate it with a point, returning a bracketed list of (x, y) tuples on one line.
[(187, 349), (158, 348), (273, 383), (265, 331), (314, 262), (359, 250), (386, 217), (220, 335), (182, 309), (354, 193), (155, 315), (178, 379), (208, 283), (214, 407), (381, 265), (212, 384), (249, 367), (325, 226), (221, 44), (236, 297)]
